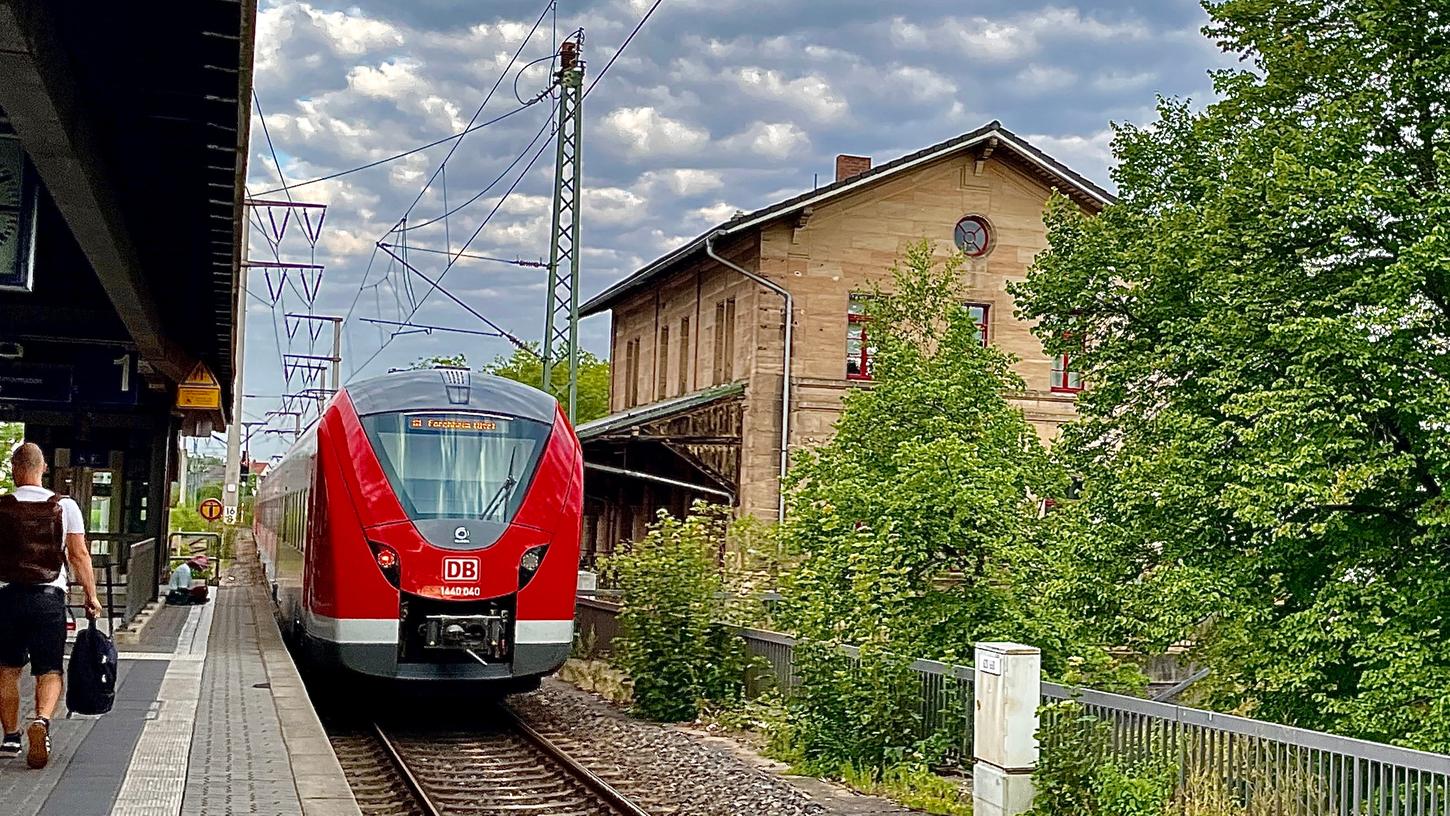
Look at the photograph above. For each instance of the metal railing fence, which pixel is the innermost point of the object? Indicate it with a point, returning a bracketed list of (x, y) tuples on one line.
[(183, 545), (1264, 767), (1235, 764)]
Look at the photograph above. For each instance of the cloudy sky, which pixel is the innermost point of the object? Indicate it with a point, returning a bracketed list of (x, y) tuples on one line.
[(717, 105)]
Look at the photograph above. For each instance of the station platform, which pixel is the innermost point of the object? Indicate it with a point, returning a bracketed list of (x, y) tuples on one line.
[(210, 718)]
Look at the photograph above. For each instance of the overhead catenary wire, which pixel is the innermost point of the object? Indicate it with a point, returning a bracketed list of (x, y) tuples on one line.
[(401, 227), (406, 227), (409, 152), (472, 256), (479, 112), (436, 284), (620, 49)]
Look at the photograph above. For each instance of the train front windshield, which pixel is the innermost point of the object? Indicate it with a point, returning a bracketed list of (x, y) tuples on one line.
[(457, 465)]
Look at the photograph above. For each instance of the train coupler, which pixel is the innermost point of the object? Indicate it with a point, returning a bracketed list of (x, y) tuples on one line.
[(486, 636)]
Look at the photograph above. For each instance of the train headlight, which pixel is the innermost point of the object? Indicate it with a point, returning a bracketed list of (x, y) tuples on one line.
[(529, 563), (387, 559), (531, 560)]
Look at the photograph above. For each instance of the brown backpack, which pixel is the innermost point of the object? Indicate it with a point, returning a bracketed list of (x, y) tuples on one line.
[(32, 540)]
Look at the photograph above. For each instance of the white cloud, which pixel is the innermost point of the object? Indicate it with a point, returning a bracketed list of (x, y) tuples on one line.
[(352, 33), (1089, 155), (645, 131), (810, 93), (1003, 40), (921, 84), (715, 213), (682, 182), (613, 206), (395, 80), (1116, 81), (770, 140), (1035, 79)]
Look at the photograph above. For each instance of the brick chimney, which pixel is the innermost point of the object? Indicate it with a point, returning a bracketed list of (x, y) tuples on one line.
[(851, 166)]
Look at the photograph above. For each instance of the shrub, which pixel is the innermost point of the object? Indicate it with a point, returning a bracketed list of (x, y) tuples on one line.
[(670, 644), (860, 712), (1078, 774)]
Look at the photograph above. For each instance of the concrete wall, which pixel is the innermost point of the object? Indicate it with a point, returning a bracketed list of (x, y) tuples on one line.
[(843, 247)]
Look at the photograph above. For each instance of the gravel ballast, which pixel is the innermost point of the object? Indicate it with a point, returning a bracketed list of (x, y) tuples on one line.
[(669, 770)]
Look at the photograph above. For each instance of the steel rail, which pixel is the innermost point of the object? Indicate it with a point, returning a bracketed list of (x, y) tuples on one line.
[(412, 783), (598, 786)]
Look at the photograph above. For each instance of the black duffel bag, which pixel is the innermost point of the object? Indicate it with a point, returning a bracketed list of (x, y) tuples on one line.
[(90, 686)]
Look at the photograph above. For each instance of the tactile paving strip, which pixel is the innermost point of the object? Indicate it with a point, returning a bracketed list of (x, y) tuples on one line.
[(238, 762)]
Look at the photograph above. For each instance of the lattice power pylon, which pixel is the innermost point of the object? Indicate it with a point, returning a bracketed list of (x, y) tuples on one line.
[(561, 318)]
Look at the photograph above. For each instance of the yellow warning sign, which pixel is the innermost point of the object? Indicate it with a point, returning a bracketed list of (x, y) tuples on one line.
[(200, 391), (201, 376)]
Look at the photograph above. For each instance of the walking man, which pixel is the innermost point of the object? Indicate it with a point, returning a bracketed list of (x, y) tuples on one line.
[(39, 533)]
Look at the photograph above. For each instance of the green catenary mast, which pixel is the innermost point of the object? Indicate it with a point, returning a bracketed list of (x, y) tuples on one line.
[(561, 318)]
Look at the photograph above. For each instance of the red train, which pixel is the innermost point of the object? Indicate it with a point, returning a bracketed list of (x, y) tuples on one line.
[(426, 527)]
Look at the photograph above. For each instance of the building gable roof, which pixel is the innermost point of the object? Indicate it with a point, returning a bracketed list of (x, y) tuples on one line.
[(1055, 172)]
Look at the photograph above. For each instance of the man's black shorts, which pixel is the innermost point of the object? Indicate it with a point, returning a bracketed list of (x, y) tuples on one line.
[(32, 628)]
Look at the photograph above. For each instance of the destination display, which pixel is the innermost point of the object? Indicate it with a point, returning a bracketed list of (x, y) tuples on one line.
[(455, 423)]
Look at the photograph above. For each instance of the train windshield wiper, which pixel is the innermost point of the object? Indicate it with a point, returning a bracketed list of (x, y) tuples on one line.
[(505, 491)]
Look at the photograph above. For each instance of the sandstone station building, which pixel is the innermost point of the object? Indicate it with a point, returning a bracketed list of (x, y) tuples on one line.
[(705, 338)]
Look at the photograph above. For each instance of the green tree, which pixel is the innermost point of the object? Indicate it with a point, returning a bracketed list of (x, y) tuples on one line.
[(593, 394), (459, 360), (916, 527), (1263, 320), (908, 518), (11, 435)]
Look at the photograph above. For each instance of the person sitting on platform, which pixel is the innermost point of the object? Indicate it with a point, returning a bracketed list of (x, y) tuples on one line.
[(180, 591)]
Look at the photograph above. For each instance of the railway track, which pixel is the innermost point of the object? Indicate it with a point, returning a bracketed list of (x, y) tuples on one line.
[(503, 768)]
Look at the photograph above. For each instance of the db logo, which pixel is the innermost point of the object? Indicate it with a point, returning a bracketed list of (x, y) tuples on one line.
[(460, 569)]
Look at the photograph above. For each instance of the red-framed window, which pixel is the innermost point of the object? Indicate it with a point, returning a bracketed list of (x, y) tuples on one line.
[(1065, 379), (858, 345), (980, 312)]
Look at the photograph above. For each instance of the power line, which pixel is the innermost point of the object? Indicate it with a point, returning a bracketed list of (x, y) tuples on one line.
[(436, 285), (471, 256), (481, 193), (406, 153), (621, 48), (505, 72), (265, 132)]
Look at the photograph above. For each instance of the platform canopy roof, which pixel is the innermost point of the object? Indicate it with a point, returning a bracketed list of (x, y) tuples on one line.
[(135, 117)]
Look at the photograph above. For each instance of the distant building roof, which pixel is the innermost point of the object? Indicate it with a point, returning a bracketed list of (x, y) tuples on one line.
[(1077, 186)]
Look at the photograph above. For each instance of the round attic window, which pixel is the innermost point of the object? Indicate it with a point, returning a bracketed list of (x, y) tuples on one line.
[(973, 236)]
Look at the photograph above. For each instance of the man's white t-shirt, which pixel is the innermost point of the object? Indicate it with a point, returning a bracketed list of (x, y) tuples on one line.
[(181, 577), (74, 521)]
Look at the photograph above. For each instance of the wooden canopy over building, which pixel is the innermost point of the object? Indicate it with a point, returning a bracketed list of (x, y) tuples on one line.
[(662, 456)]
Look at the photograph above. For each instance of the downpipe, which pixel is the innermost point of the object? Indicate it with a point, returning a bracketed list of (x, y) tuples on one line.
[(785, 366)]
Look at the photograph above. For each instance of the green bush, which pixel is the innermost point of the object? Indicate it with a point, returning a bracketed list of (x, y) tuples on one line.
[(678, 656), (1078, 775), (860, 712)]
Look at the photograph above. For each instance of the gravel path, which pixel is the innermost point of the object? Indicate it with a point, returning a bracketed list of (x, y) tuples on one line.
[(677, 772)]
